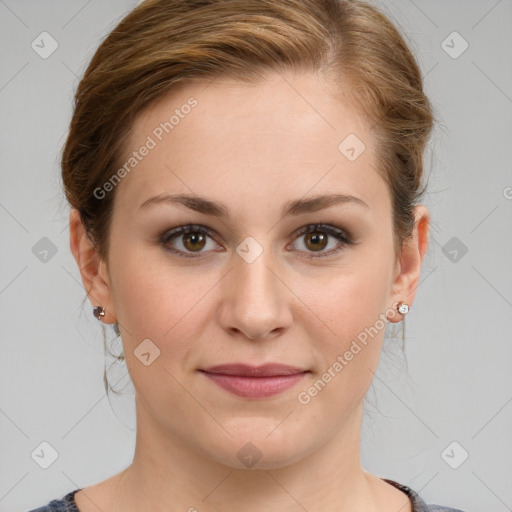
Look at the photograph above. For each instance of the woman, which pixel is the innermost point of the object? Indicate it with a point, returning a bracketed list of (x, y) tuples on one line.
[(244, 178)]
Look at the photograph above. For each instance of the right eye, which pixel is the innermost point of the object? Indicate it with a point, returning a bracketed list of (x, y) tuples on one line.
[(192, 238)]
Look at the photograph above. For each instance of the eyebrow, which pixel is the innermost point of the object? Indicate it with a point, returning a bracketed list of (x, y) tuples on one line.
[(216, 209)]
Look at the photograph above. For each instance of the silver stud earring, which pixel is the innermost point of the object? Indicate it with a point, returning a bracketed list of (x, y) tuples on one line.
[(402, 308), (98, 312)]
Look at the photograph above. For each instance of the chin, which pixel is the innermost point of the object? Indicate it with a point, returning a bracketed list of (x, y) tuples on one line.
[(250, 449)]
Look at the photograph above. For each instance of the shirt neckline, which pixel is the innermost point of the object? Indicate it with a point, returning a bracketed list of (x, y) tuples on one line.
[(418, 504)]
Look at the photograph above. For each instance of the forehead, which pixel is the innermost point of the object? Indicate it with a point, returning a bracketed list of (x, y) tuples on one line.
[(282, 137)]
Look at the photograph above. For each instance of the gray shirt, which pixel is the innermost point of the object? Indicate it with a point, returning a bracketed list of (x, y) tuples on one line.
[(67, 504)]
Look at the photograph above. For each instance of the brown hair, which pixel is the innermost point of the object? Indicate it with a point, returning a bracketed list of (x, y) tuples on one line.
[(165, 42)]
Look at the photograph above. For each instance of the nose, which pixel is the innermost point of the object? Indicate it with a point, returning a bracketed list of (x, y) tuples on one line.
[(256, 300)]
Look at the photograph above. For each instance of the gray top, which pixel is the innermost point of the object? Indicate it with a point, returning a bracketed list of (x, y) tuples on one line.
[(67, 504)]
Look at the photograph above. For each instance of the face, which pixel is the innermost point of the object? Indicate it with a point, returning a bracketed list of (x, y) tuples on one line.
[(259, 272)]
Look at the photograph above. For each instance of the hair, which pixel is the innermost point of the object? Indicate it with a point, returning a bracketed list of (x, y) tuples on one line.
[(163, 43)]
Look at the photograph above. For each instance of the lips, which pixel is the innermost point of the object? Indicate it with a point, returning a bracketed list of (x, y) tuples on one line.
[(255, 381), (244, 370)]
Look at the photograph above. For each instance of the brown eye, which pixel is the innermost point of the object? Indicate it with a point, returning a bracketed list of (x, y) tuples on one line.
[(316, 241), (194, 241), (189, 241), (317, 237)]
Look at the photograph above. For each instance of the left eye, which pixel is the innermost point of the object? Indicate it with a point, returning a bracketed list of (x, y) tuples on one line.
[(193, 239), (316, 238)]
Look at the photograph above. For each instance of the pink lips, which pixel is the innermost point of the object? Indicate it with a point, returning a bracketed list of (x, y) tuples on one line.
[(255, 381)]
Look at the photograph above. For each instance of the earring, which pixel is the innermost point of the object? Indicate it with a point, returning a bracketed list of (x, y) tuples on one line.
[(402, 308), (98, 312)]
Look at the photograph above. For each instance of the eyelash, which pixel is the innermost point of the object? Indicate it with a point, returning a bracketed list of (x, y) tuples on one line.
[(342, 237)]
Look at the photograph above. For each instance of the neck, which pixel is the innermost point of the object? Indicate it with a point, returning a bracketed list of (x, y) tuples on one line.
[(168, 474)]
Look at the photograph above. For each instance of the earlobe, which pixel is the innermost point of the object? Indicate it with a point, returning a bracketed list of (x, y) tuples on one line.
[(91, 266)]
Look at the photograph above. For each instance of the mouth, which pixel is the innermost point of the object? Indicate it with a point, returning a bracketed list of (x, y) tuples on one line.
[(255, 381)]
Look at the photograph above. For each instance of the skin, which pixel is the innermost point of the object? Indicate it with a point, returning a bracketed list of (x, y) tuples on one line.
[(252, 148)]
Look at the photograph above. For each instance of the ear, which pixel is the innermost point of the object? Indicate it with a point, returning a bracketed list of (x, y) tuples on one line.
[(92, 268), (411, 257)]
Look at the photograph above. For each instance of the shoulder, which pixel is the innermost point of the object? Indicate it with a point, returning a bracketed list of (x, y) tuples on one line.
[(418, 504), (65, 504)]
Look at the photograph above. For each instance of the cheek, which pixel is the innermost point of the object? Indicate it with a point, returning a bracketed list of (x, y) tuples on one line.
[(348, 358), (352, 307), (157, 301), (349, 300)]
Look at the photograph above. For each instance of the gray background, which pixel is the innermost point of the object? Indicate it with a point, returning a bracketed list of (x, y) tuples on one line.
[(454, 383)]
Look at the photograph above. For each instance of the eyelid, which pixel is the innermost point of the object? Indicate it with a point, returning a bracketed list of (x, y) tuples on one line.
[(186, 228), (327, 228)]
